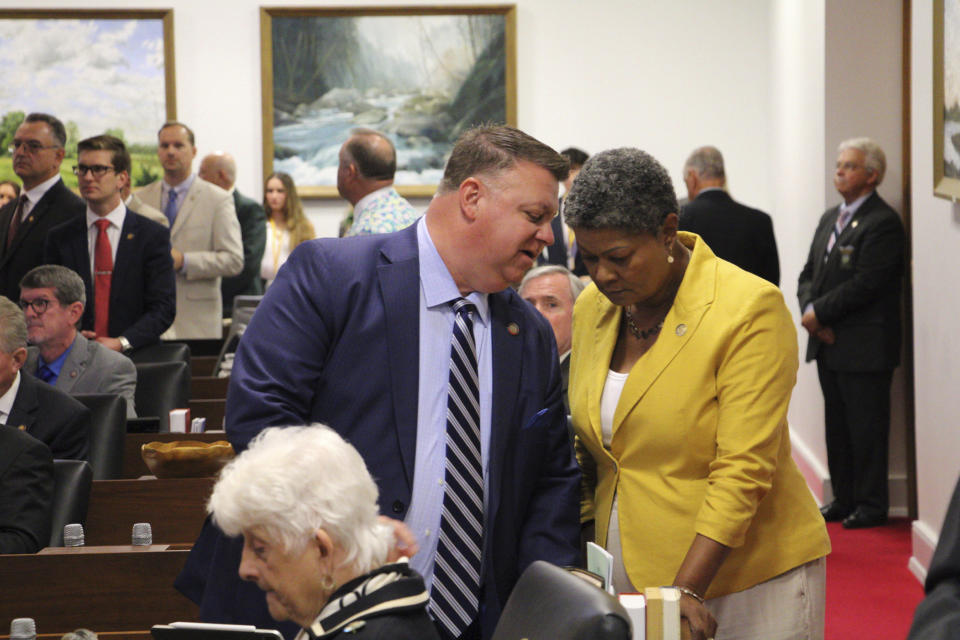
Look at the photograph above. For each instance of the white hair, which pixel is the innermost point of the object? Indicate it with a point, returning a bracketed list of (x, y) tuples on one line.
[(874, 159), (576, 284), (292, 481)]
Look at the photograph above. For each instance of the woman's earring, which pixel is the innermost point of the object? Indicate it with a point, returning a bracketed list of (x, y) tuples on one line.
[(670, 259), (328, 583)]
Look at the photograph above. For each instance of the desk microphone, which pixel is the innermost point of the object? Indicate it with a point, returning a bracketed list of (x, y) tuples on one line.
[(23, 629), (73, 535)]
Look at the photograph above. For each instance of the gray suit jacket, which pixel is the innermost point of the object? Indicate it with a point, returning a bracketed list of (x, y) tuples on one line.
[(91, 367), (207, 232)]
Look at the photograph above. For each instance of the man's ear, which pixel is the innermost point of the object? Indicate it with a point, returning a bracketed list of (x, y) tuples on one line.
[(19, 357), (470, 192)]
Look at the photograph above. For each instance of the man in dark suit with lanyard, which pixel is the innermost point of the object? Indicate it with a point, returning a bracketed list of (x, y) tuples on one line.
[(849, 293), (356, 333), (45, 202)]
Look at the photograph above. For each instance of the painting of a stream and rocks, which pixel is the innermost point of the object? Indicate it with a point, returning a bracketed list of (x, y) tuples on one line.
[(420, 79)]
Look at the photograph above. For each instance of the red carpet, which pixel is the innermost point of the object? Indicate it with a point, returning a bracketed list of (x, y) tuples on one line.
[(870, 591)]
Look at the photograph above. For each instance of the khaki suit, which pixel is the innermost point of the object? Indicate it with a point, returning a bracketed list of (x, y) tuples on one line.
[(206, 231), (139, 206)]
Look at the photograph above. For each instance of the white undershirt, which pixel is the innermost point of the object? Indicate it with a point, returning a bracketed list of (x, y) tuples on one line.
[(612, 390)]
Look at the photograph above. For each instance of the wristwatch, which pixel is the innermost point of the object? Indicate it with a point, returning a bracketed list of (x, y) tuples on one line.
[(125, 346)]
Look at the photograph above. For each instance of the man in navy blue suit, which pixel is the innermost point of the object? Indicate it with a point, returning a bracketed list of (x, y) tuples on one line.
[(356, 333), (131, 301)]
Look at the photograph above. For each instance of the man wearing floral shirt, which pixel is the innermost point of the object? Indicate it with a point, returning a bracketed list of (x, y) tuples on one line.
[(368, 162)]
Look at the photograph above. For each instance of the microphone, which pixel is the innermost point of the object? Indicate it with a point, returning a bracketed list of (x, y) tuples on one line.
[(23, 629), (142, 535), (73, 535)]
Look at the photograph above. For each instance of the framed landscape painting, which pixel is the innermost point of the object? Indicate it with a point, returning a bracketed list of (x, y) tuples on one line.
[(946, 99), (98, 71), (420, 75)]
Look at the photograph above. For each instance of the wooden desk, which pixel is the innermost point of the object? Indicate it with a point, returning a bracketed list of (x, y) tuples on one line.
[(133, 464), (212, 410), (202, 365), (174, 507), (106, 589), (208, 388)]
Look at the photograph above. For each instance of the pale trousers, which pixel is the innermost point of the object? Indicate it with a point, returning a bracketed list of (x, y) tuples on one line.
[(790, 606)]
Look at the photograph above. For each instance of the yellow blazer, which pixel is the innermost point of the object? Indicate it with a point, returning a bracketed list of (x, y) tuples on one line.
[(700, 436)]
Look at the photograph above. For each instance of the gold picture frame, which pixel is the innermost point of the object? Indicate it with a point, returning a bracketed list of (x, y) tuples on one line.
[(101, 70), (946, 117), (416, 73)]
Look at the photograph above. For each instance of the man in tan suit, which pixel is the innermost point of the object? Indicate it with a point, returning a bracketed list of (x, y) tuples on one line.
[(204, 233)]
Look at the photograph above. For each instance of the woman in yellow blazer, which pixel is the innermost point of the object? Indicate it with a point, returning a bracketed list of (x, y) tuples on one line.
[(680, 378)]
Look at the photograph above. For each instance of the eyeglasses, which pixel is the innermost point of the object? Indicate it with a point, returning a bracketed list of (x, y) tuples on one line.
[(30, 145), (39, 306), (849, 166), (98, 170)]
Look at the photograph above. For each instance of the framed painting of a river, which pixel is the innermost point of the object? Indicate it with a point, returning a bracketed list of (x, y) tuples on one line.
[(98, 71), (420, 75), (946, 99)]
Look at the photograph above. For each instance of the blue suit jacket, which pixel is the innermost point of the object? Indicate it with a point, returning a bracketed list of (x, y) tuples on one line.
[(335, 340), (143, 299)]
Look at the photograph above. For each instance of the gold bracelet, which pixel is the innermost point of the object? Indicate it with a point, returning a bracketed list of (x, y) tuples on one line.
[(690, 592)]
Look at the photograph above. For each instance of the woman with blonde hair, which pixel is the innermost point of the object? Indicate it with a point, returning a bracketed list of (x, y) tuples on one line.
[(287, 226)]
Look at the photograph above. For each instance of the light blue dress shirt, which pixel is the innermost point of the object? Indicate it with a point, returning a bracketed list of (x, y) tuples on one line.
[(437, 290)]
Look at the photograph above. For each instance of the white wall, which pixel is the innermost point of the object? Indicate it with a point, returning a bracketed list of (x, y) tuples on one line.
[(936, 261), (797, 90)]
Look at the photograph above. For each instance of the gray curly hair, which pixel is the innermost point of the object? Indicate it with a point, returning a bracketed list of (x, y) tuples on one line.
[(621, 189)]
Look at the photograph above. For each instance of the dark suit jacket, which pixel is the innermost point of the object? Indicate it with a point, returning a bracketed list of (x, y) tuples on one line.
[(938, 616), (346, 355), (26, 492), (556, 252), (52, 417), (57, 205), (253, 229), (856, 291), (143, 299), (735, 232)]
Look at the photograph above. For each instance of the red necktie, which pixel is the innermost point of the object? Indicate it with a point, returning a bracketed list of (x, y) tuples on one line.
[(103, 271)]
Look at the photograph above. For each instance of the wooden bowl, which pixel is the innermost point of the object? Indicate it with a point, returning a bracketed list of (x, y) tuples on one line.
[(186, 458)]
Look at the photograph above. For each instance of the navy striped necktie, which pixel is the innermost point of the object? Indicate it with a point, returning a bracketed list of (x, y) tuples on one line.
[(455, 595)]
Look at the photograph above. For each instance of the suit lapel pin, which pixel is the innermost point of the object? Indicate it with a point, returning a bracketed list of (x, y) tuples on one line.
[(681, 329), (73, 374), (22, 427), (29, 218), (513, 329), (129, 236), (854, 224)]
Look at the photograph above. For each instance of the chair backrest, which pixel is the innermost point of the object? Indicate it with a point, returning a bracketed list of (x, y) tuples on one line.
[(72, 480), (108, 429), (162, 352), (548, 603), (162, 386)]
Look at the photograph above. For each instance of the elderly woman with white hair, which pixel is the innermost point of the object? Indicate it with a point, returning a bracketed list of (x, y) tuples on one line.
[(313, 541)]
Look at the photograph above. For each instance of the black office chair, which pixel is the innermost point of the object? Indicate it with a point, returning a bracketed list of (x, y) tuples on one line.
[(72, 480), (162, 386), (108, 428), (162, 352), (549, 603)]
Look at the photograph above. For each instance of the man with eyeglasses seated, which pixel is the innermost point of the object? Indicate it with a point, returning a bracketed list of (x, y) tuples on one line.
[(123, 258), (53, 298), (45, 202), (27, 404)]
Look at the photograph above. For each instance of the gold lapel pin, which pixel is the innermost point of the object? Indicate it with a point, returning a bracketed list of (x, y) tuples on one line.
[(854, 224), (129, 236), (73, 374), (681, 329), (513, 329), (22, 427)]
